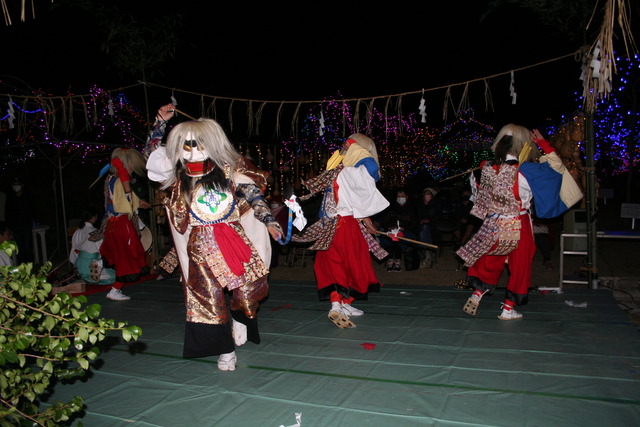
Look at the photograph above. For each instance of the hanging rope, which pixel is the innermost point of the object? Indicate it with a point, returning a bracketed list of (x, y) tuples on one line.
[(264, 103)]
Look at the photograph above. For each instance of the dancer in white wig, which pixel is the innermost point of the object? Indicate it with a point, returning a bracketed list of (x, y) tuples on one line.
[(207, 199)]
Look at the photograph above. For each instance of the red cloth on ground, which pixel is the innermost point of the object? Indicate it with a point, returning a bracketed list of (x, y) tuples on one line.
[(489, 267), (122, 248), (347, 261)]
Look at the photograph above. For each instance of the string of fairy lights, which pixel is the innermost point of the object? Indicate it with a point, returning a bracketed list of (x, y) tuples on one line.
[(406, 146)]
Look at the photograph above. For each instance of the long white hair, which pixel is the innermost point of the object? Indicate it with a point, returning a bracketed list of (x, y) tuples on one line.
[(511, 139), (133, 161), (210, 137)]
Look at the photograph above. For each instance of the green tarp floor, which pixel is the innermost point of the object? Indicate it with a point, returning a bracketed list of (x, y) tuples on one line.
[(414, 359)]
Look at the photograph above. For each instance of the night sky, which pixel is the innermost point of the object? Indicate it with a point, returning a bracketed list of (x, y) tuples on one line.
[(308, 50)]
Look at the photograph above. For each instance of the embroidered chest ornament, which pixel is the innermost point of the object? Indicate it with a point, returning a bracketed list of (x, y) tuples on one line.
[(212, 199)]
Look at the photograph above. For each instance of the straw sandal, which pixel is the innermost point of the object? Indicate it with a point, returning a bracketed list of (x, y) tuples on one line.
[(94, 271), (471, 307), (340, 320)]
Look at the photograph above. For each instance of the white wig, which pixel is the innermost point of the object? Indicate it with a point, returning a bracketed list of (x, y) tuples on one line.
[(210, 138), (133, 161), (520, 135)]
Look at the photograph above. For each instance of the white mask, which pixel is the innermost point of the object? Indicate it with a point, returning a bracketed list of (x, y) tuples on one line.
[(193, 152), (17, 188), (401, 200)]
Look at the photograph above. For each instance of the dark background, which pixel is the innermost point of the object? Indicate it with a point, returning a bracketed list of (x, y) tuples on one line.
[(305, 51), (290, 51)]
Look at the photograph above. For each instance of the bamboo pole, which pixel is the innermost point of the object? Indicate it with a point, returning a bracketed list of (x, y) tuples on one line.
[(409, 240), (184, 114), (460, 174)]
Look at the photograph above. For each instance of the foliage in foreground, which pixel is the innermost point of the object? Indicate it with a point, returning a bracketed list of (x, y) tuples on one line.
[(44, 338)]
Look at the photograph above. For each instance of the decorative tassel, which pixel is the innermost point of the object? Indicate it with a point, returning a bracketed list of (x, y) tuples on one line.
[(488, 99), (464, 101), (276, 131), (258, 117), (231, 114), (447, 100)]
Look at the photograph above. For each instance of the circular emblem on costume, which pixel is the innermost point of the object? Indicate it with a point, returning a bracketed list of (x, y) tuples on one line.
[(211, 205), (212, 199)]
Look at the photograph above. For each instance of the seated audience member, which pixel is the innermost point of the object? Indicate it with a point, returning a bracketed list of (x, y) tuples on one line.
[(401, 215), (85, 254), (468, 224), (427, 213)]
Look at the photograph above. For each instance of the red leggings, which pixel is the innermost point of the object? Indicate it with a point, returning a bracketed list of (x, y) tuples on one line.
[(489, 267)]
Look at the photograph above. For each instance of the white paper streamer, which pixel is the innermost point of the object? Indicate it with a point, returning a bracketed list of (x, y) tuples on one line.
[(298, 421), (576, 304), (595, 61), (321, 129), (11, 112), (512, 90), (300, 221), (111, 113), (393, 233), (173, 99), (423, 109)]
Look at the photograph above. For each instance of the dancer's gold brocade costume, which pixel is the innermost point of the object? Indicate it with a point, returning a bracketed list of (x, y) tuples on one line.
[(209, 272)]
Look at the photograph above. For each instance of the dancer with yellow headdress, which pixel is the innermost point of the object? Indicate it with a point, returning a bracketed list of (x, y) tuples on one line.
[(343, 236)]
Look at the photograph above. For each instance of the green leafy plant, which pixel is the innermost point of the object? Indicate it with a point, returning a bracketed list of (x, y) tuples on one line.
[(44, 338)]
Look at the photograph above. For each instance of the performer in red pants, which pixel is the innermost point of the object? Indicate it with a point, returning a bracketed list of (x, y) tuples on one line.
[(503, 198)]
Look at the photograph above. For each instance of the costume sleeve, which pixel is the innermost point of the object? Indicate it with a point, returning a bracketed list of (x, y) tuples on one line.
[(155, 137), (372, 167), (358, 195), (177, 209), (261, 211), (545, 146), (545, 186), (159, 167), (524, 192), (474, 182), (123, 174)]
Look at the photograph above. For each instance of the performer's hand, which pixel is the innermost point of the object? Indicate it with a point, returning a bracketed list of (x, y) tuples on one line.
[(368, 224), (275, 234), (544, 145), (166, 112), (144, 204)]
